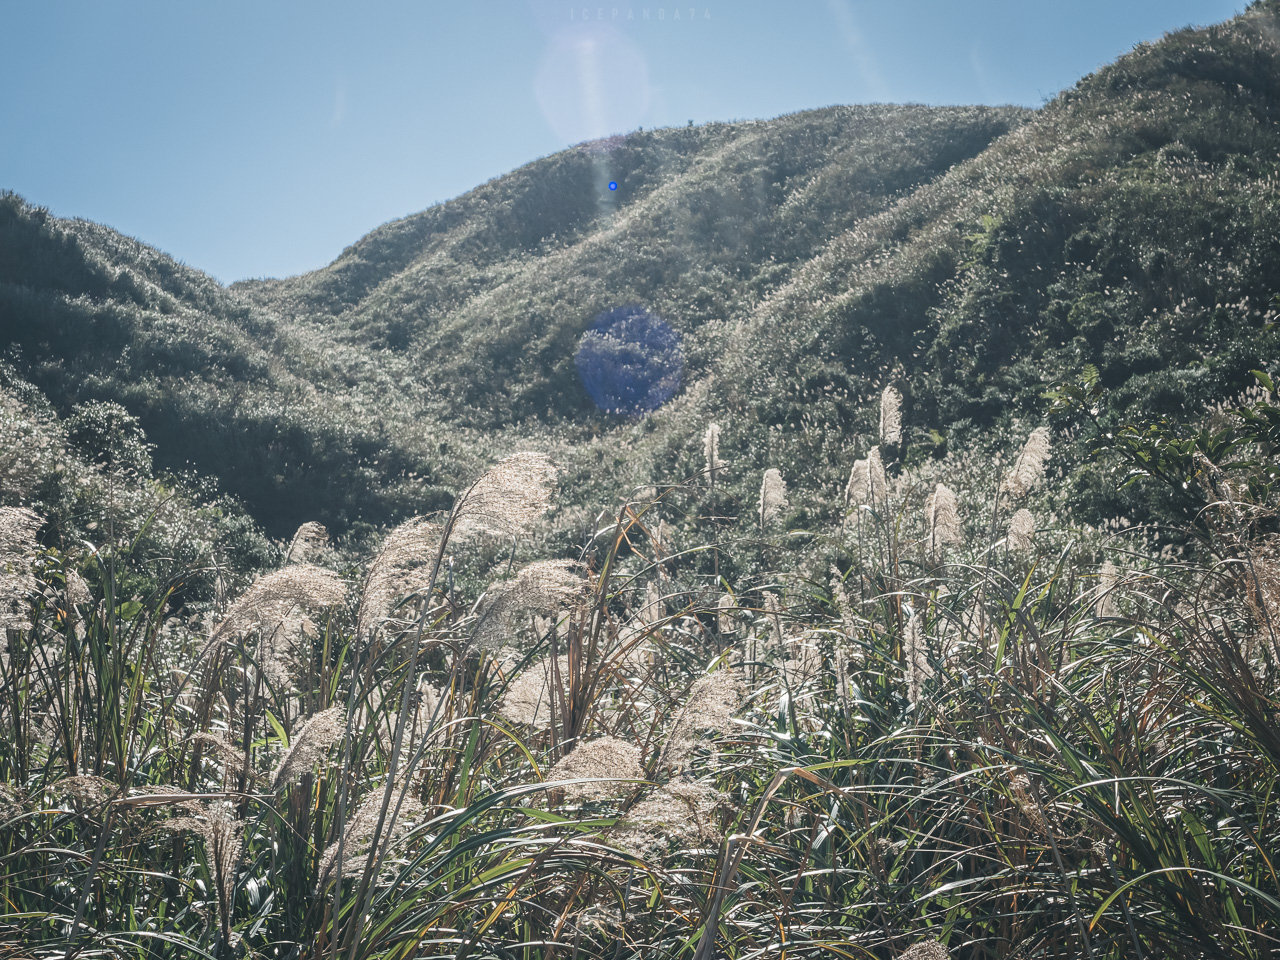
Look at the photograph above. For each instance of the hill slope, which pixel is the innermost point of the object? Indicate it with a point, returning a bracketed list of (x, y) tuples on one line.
[(972, 255)]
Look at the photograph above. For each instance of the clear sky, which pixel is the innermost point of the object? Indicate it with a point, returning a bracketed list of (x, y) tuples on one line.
[(260, 137)]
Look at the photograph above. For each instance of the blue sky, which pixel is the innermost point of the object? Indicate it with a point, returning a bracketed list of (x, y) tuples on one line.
[(260, 137)]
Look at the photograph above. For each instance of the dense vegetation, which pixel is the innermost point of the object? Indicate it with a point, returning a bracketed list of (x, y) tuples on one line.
[(932, 616)]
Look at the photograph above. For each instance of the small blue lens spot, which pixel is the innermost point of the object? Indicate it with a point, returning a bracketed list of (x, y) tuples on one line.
[(613, 184)]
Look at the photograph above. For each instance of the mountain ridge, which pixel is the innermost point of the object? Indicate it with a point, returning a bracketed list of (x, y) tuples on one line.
[(806, 261)]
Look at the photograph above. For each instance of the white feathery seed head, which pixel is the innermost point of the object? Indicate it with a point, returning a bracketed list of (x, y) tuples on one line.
[(1027, 471), (925, 950), (681, 811), (507, 499), (1022, 531), (308, 543), (541, 587), (401, 569), (773, 497), (942, 514), (890, 416), (309, 746), (18, 546), (1108, 577), (275, 597), (711, 453), (606, 760)]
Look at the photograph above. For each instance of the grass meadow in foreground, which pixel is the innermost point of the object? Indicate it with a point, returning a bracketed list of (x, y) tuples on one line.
[(944, 728)]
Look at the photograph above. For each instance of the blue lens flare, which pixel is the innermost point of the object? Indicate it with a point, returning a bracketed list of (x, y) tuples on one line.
[(630, 361), (613, 184)]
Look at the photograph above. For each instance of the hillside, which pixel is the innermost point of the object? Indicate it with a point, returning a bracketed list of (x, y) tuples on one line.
[(972, 255)]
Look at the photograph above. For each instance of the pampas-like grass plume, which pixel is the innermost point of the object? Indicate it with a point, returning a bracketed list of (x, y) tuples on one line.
[(773, 497), (867, 481), (18, 527), (540, 587), (401, 569), (925, 950), (890, 416), (224, 839), (273, 598), (916, 653), (607, 759), (681, 811), (1022, 531), (711, 452), (1108, 576), (527, 698), (504, 502), (942, 514), (307, 543), (309, 746), (357, 835), (710, 707), (1027, 471)]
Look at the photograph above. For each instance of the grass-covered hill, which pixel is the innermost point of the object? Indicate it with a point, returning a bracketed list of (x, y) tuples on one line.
[(974, 256)]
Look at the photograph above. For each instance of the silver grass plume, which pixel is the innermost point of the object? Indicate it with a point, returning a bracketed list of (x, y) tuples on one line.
[(527, 697), (1108, 576), (541, 587), (925, 950), (773, 497), (224, 839), (357, 834), (1022, 531), (18, 527), (307, 543), (1027, 471), (724, 613), (605, 759), (942, 514), (916, 653), (401, 569), (890, 416), (309, 746), (711, 452), (273, 598), (710, 706), (507, 499), (681, 811), (867, 481)]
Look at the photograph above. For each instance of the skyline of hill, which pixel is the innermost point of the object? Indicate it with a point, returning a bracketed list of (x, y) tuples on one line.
[(972, 256)]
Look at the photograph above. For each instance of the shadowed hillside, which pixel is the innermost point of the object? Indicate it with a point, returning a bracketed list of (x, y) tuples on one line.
[(975, 256)]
